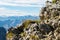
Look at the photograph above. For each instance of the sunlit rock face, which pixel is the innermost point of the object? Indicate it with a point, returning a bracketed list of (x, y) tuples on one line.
[(47, 28)]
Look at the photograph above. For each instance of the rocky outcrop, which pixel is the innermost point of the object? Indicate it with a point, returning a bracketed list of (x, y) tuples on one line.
[(47, 28)]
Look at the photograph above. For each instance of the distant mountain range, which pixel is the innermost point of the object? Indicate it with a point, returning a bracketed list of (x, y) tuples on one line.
[(13, 21)]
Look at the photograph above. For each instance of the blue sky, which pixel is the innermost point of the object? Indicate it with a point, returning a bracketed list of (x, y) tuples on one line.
[(20, 7)]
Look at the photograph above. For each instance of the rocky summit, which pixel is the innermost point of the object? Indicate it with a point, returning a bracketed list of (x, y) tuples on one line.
[(47, 28)]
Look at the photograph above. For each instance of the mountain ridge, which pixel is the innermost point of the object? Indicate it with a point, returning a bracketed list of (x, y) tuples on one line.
[(15, 20)]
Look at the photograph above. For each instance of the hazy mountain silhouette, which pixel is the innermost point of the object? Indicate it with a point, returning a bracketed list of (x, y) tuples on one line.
[(2, 33), (7, 22)]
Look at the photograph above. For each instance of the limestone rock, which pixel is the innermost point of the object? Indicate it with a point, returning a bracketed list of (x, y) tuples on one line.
[(48, 28)]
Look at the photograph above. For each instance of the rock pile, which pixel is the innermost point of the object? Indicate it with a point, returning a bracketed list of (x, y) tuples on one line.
[(48, 28), (50, 15)]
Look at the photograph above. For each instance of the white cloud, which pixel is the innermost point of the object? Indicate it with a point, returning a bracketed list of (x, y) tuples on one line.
[(24, 3), (29, 3), (6, 12)]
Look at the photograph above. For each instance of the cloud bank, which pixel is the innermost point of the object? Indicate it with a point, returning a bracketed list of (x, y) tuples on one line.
[(8, 11)]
